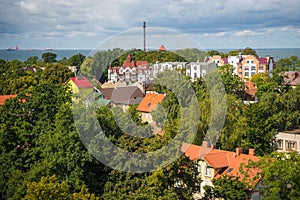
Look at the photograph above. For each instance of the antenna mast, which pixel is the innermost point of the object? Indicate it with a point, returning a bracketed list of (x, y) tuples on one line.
[(144, 26)]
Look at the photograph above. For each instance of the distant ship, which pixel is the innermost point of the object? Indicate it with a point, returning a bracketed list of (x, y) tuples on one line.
[(48, 49), (12, 48)]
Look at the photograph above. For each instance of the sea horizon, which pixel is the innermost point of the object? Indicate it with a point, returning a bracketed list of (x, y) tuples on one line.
[(23, 54)]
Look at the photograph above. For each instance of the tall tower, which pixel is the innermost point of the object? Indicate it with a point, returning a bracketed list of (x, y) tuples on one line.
[(144, 26)]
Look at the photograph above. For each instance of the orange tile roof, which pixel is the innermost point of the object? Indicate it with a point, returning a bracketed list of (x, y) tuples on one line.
[(190, 150), (219, 159), (150, 101), (250, 88), (5, 97)]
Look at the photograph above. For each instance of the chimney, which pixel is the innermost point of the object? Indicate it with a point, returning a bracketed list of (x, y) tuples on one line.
[(205, 144), (251, 152), (295, 75), (238, 151)]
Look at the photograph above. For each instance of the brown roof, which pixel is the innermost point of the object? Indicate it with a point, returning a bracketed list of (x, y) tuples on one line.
[(292, 78), (150, 101), (107, 92), (3, 98), (123, 95)]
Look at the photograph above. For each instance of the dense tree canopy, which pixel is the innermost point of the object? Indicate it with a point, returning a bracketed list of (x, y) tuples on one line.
[(41, 151)]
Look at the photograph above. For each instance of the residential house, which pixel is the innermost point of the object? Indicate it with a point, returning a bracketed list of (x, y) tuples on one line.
[(130, 71), (292, 78), (148, 105), (250, 65), (287, 141), (214, 163), (250, 91), (80, 85), (245, 66), (199, 69), (123, 97), (161, 67), (231, 60)]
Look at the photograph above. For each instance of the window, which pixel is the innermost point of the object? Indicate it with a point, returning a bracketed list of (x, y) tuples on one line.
[(290, 145), (252, 61), (207, 171), (253, 68), (248, 61), (195, 75), (199, 169), (252, 73), (246, 73), (261, 68), (279, 144), (195, 67)]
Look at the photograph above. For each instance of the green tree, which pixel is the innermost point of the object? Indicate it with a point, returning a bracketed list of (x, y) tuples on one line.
[(232, 83), (227, 187), (285, 64), (49, 57), (76, 60), (56, 73), (49, 188), (32, 60), (86, 69), (192, 54), (280, 175)]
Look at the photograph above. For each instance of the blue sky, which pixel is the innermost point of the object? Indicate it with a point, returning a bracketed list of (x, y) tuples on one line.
[(214, 24)]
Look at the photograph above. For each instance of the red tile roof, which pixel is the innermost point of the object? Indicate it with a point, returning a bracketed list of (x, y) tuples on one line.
[(141, 63), (82, 82), (3, 98), (225, 60), (262, 60), (162, 48), (150, 101)]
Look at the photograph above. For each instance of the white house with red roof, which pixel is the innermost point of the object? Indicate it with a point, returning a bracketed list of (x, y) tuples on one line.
[(130, 71)]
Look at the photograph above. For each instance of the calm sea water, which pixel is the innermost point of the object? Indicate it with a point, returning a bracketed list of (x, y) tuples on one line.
[(22, 55)]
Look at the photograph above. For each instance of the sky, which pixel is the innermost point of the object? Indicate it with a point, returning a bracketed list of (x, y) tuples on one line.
[(211, 24)]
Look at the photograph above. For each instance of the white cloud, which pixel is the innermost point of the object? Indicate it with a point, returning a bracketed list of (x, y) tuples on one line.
[(82, 18)]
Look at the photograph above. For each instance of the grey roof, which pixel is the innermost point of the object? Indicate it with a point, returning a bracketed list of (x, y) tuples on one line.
[(127, 95)]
